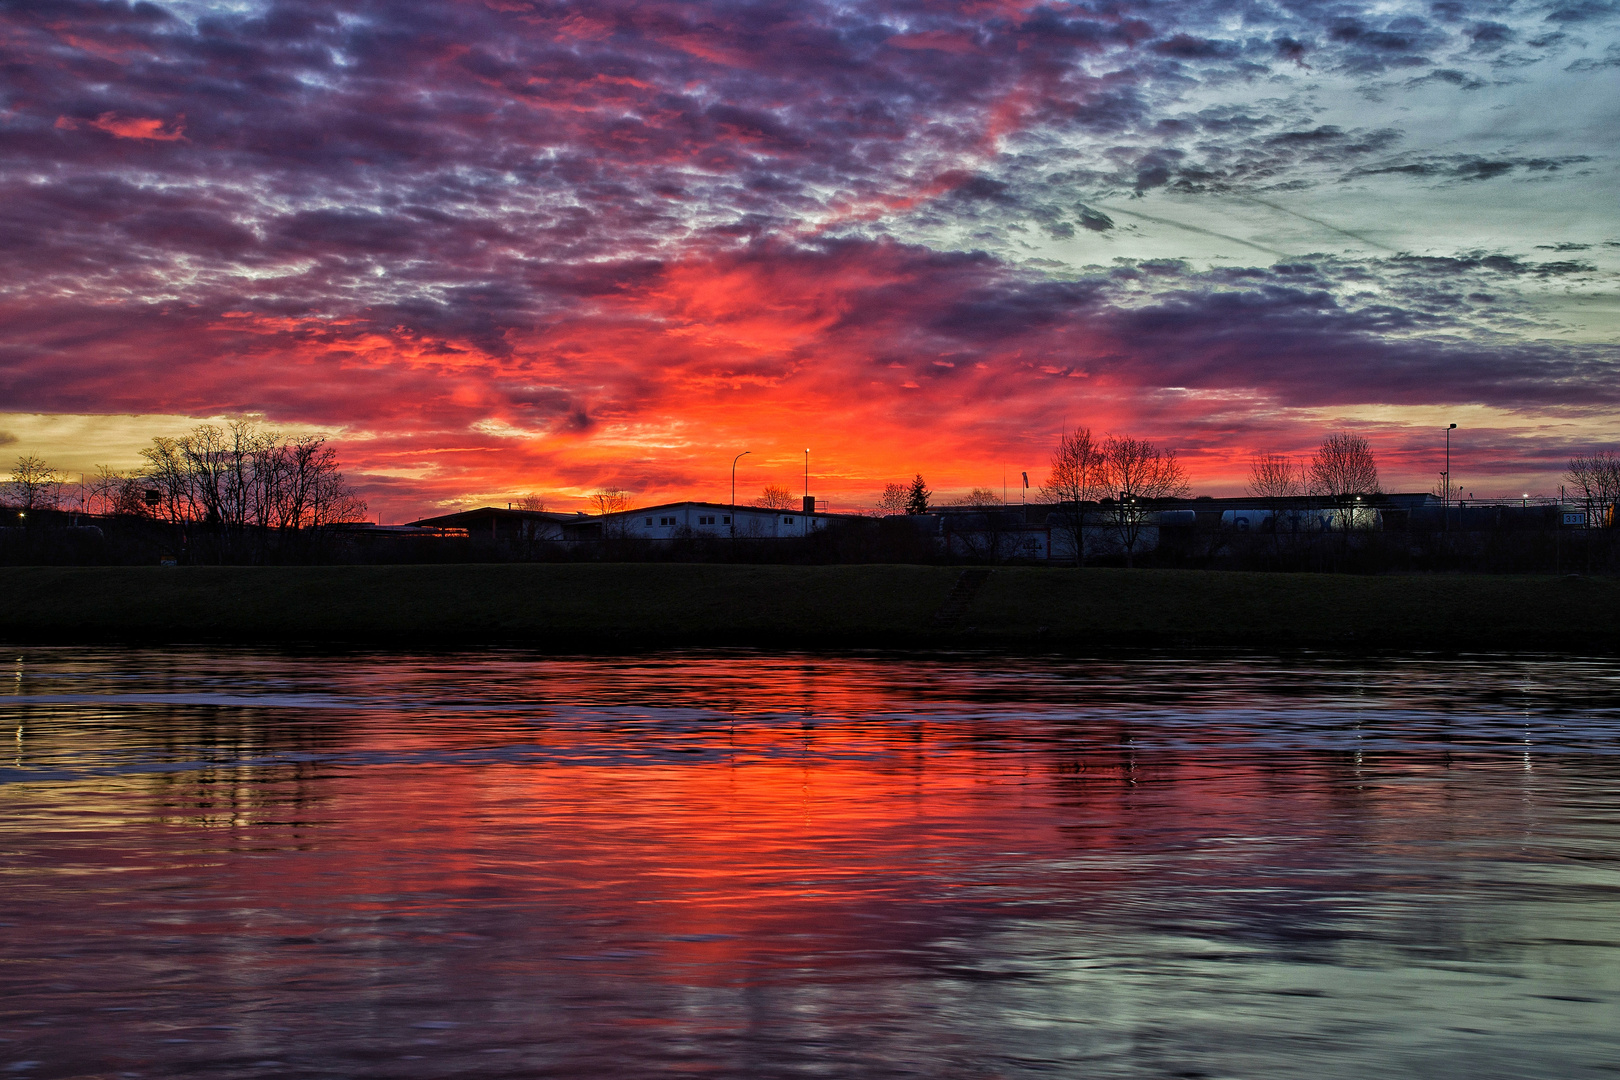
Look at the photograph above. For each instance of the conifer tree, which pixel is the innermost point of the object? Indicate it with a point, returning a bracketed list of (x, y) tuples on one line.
[(917, 497)]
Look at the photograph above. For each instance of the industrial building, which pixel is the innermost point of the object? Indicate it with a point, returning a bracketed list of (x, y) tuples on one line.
[(670, 521)]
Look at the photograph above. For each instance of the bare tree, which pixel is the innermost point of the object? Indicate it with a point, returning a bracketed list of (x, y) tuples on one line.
[(34, 485), (775, 498), (1075, 479), (1596, 480), (611, 500), (610, 505), (1343, 471), (893, 499), (1447, 493), (1137, 474), (302, 487), (118, 494), (532, 503), (166, 474), (977, 497), (241, 482), (990, 534), (1273, 476), (230, 473), (1273, 479)]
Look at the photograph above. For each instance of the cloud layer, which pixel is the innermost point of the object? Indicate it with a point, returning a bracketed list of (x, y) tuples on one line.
[(511, 247)]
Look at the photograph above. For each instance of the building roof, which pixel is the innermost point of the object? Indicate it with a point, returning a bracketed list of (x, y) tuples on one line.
[(726, 507), (456, 517)]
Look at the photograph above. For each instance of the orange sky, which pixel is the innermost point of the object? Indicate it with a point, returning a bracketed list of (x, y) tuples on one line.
[(543, 252)]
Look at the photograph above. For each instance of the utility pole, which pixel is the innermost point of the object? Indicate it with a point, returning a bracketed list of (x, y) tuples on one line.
[(1445, 506), (734, 461)]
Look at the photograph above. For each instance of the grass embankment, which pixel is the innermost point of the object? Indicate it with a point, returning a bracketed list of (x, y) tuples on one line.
[(593, 606)]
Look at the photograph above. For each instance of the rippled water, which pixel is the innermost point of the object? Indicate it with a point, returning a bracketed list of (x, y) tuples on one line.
[(242, 863)]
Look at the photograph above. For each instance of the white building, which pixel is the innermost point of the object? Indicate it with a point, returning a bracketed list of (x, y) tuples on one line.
[(672, 521)]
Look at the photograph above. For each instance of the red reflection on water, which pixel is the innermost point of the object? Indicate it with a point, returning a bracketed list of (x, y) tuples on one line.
[(772, 867)]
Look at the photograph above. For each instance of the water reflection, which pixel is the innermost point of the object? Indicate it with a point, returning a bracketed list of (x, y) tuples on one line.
[(234, 863)]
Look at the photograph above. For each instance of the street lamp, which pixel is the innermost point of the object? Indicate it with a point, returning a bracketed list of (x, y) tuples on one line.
[(734, 461), (1445, 505), (806, 504)]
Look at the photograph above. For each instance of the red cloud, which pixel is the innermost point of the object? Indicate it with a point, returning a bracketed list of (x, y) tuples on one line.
[(130, 127)]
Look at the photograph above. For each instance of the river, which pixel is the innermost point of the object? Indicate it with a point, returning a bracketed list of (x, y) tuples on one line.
[(244, 863)]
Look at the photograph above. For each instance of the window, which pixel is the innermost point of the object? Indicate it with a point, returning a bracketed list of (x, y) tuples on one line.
[(726, 520), (706, 520), (787, 521), (663, 521), (649, 521)]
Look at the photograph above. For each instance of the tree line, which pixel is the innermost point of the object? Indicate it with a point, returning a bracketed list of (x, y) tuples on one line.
[(227, 479)]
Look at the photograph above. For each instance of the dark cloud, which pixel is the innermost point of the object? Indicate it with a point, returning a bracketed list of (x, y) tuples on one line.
[(1188, 47), (1460, 79), (1289, 49), (1095, 220), (1610, 58), (1488, 37), (1582, 11), (1464, 168)]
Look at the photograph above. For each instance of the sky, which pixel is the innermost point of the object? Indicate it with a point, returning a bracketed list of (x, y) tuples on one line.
[(496, 248)]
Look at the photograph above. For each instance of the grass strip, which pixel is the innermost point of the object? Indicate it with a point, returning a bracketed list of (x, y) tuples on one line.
[(615, 606)]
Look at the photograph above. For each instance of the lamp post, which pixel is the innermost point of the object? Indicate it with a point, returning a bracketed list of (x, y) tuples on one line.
[(805, 506), (734, 461), (1445, 505)]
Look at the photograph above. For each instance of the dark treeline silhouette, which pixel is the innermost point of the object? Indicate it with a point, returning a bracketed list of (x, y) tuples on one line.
[(240, 493)]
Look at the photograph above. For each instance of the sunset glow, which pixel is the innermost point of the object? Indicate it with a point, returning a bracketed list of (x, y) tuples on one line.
[(498, 249)]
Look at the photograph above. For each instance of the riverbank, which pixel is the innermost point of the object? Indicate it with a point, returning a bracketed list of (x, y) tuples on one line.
[(619, 605)]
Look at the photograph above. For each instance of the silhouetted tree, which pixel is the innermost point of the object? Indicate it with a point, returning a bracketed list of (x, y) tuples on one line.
[(977, 497), (302, 487), (1274, 479), (917, 496), (1273, 476), (1137, 474), (983, 535), (893, 499), (1343, 471), (1595, 479), (775, 498), (609, 503), (34, 485), (1447, 493), (117, 493), (1075, 479), (610, 500), (242, 482)]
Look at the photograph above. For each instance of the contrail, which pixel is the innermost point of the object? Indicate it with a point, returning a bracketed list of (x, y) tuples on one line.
[(1316, 221), (1192, 228)]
